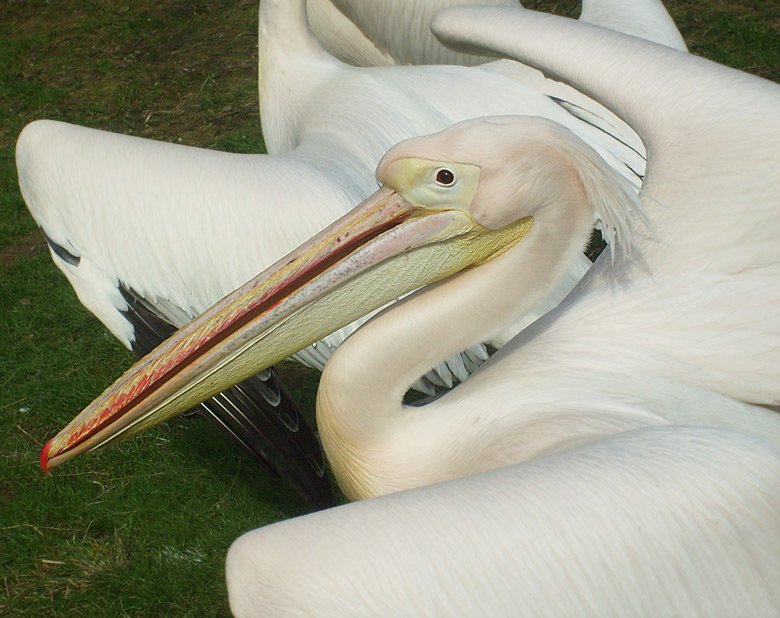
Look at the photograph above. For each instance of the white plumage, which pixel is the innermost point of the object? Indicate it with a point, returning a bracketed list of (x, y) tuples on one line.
[(387, 32), (667, 521)]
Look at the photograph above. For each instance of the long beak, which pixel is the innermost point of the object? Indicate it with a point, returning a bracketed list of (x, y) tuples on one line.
[(380, 250)]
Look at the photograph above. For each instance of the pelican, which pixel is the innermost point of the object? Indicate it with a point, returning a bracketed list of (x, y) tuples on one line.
[(635, 450), (94, 195)]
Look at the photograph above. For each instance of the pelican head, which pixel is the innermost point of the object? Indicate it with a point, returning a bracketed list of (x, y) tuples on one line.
[(437, 212)]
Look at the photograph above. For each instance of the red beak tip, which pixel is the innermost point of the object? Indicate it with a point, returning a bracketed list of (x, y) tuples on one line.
[(45, 457)]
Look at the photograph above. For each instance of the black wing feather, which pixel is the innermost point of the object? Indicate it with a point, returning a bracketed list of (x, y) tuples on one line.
[(258, 413)]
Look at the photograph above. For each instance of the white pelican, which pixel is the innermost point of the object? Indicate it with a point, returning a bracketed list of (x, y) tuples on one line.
[(94, 195), (640, 406)]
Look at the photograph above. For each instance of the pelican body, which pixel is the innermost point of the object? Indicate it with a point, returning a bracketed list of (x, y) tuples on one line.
[(665, 521)]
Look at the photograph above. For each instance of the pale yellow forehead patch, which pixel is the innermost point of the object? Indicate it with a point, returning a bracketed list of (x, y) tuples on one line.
[(414, 179)]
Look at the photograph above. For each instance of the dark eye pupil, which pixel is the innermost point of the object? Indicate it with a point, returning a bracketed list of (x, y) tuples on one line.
[(445, 177)]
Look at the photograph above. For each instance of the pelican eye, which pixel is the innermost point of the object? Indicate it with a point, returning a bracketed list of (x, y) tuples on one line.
[(445, 177)]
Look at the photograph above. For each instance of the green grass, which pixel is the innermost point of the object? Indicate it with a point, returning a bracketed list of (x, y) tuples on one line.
[(141, 528)]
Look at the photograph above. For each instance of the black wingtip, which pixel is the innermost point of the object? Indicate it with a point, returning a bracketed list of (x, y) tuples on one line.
[(292, 455), (258, 413), (60, 251)]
